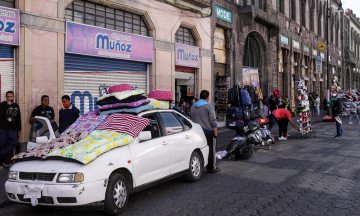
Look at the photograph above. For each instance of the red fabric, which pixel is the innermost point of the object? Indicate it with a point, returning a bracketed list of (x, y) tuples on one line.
[(282, 114), (276, 93), (119, 88), (124, 123)]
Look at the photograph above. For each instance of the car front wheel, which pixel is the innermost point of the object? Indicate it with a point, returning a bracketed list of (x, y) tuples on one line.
[(117, 194), (195, 168)]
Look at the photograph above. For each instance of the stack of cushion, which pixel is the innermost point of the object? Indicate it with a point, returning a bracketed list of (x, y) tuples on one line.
[(159, 99)]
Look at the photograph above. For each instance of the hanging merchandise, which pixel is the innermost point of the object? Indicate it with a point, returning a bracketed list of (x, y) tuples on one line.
[(222, 95), (303, 109)]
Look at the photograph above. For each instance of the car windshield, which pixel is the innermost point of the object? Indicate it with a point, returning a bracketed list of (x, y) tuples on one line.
[(39, 128)]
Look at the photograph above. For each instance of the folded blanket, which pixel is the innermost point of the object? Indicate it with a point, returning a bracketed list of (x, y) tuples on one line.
[(127, 110), (123, 94), (97, 143), (114, 100), (124, 105), (161, 95), (88, 123), (157, 104), (124, 123), (64, 140)]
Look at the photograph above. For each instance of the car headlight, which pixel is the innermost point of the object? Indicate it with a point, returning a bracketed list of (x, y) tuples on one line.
[(70, 177), (12, 175)]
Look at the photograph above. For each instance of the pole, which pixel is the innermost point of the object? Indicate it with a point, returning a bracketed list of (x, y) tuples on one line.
[(327, 46)]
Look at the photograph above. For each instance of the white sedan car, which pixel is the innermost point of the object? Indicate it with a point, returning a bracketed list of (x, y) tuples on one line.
[(172, 146)]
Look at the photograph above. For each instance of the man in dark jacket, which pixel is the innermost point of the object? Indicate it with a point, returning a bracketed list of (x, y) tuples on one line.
[(203, 113), (337, 110), (10, 126), (68, 114)]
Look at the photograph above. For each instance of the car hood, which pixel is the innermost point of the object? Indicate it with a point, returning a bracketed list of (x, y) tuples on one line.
[(47, 166)]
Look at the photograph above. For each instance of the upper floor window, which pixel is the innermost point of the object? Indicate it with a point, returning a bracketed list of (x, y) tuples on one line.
[(281, 6), (257, 3), (303, 14), (292, 10), (106, 17), (7, 3), (183, 35)]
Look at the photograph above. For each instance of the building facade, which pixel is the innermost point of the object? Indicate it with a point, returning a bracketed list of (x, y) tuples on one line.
[(75, 46), (273, 43)]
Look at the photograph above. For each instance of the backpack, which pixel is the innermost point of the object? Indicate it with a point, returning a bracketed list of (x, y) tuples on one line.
[(261, 121), (259, 93), (235, 124), (251, 126), (253, 112), (265, 133), (261, 109), (233, 96), (245, 97), (247, 110), (266, 110), (254, 138), (251, 91), (235, 113)]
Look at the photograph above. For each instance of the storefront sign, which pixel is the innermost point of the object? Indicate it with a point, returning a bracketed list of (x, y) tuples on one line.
[(284, 40), (186, 55), (306, 49), (9, 26), (314, 52), (296, 44), (318, 65), (219, 46), (95, 41), (223, 14), (190, 90), (322, 55)]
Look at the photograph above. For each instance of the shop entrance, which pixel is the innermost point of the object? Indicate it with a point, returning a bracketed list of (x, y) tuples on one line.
[(184, 84)]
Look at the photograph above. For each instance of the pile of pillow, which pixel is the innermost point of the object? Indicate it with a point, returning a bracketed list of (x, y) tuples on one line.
[(159, 99)]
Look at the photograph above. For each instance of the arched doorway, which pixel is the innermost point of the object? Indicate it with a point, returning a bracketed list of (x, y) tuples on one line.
[(254, 49)]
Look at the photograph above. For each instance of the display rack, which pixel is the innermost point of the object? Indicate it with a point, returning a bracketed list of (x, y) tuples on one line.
[(221, 95)]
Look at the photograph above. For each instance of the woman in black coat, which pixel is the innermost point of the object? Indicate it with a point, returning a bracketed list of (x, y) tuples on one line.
[(325, 102)]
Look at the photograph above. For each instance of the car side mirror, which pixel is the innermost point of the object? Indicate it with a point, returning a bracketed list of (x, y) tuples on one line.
[(41, 140), (144, 135)]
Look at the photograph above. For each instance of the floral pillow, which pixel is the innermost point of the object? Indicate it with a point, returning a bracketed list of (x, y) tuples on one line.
[(161, 95), (123, 95), (120, 88)]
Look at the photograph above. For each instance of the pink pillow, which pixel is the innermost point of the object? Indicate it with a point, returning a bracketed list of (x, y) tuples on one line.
[(119, 88), (161, 95)]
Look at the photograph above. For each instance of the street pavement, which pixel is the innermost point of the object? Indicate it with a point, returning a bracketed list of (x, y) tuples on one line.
[(318, 176)]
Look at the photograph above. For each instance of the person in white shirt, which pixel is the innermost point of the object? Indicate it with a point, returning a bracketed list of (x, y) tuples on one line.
[(317, 104)]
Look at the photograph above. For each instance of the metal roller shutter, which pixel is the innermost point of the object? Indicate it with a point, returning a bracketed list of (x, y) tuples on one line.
[(6, 70), (84, 75)]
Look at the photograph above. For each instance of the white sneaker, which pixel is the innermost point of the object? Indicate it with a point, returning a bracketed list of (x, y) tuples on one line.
[(282, 138), (338, 119), (350, 123)]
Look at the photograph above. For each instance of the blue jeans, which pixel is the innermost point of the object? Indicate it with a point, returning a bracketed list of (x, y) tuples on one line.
[(339, 131), (8, 141), (354, 115)]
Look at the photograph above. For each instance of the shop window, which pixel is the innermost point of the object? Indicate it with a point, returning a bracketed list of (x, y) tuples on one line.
[(292, 10), (7, 3), (172, 124), (257, 4), (183, 35), (98, 15)]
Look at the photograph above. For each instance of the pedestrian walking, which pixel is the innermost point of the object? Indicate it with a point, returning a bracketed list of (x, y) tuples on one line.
[(10, 127), (282, 117), (311, 102), (353, 111), (203, 113), (317, 104), (325, 104), (68, 114), (337, 110)]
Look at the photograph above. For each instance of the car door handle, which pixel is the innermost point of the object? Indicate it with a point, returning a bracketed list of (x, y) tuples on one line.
[(187, 137), (164, 143)]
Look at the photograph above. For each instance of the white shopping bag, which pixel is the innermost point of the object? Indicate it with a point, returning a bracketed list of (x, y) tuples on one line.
[(33, 191)]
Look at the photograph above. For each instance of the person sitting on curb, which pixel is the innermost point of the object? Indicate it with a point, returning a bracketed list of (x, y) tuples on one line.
[(282, 117)]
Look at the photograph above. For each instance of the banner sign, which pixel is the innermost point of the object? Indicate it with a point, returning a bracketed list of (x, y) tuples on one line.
[(186, 55), (315, 52), (296, 44), (306, 49), (284, 40), (318, 65), (95, 41), (223, 14), (251, 76), (9, 26)]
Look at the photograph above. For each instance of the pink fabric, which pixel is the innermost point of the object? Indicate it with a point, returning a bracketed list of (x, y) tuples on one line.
[(133, 104), (161, 95), (124, 123), (119, 88), (276, 93)]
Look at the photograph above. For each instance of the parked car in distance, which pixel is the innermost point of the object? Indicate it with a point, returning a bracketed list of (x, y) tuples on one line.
[(170, 146)]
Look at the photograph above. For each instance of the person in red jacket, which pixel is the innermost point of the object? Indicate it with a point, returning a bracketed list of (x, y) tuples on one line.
[(282, 117)]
